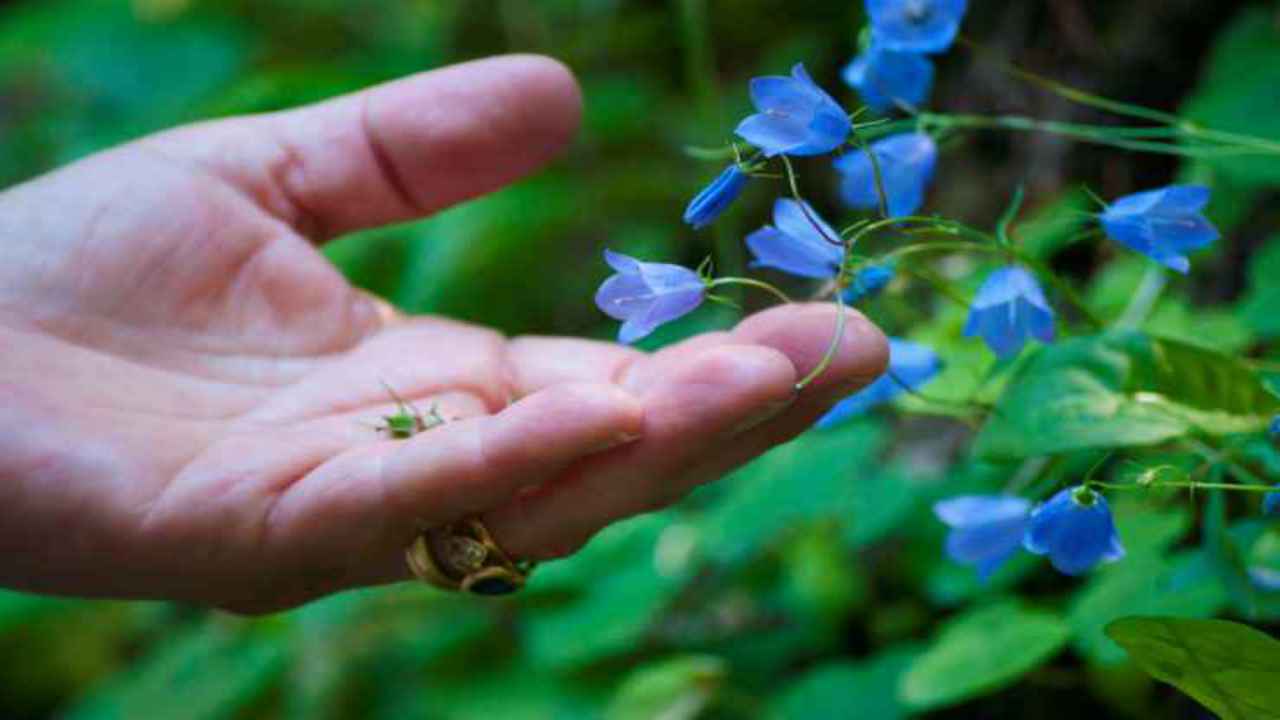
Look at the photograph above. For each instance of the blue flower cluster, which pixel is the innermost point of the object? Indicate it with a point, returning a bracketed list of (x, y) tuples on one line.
[(895, 71), (892, 175), (1074, 529)]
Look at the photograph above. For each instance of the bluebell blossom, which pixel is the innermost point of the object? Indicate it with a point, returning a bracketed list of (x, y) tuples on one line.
[(798, 242), (1010, 308), (1076, 530), (1271, 503), (923, 26), (1274, 429), (796, 117), (1163, 224), (709, 204), (868, 283), (986, 530), (645, 295), (1265, 578), (888, 80), (911, 367), (907, 162)]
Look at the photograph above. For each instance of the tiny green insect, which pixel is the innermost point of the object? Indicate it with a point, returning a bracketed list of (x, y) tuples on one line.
[(408, 420)]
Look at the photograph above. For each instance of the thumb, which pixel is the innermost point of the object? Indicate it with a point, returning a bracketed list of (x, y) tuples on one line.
[(394, 152)]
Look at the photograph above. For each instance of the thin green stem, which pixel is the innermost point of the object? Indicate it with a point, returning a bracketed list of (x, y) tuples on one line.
[(750, 282), (882, 197), (1144, 300), (1188, 485), (804, 206), (830, 356)]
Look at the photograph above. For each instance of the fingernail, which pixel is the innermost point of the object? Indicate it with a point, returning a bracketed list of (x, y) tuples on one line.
[(763, 415)]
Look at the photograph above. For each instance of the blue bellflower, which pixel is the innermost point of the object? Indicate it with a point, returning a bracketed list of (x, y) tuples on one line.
[(1265, 578), (645, 295), (1076, 530), (922, 26), (1274, 429), (1163, 224), (906, 164), (986, 530), (798, 242), (911, 367), (1010, 308), (1271, 503), (709, 204), (796, 117), (868, 283), (887, 80)]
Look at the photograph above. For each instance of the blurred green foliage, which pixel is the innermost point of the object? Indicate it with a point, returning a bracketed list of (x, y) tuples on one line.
[(810, 584)]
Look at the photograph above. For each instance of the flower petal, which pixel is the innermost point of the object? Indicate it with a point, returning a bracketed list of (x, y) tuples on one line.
[(773, 134)]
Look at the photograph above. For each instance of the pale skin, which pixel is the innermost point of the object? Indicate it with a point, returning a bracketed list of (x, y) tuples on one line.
[(187, 386)]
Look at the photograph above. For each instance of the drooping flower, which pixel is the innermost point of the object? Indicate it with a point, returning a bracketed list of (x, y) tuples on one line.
[(1265, 578), (796, 117), (798, 242), (1163, 224), (906, 163), (1271, 503), (868, 283), (1076, 530), (923, 26), (986, 530), (888, 80), (911, 367), (645, 295), (714, 199), (1274, 429), (1010, 308)]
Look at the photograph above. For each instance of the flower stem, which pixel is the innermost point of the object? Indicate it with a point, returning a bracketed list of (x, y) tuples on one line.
[(1144, 300), (1185, 485), (830, 356), (750, 282), (804, 206)]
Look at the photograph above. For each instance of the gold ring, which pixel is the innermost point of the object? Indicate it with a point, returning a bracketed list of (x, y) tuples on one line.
[(464, 557)]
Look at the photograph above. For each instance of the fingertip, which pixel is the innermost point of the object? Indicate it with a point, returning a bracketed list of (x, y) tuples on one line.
[(724, 384), (803, 334), (578, 418)]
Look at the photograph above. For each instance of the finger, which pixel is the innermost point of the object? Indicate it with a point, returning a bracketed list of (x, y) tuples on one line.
[(367, 504), (859, 360), (393, 152), (648, 475), (407, 358), (540, 362), (702, 404)]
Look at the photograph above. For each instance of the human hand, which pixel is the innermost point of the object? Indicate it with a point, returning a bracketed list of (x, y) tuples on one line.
[(186, 384)]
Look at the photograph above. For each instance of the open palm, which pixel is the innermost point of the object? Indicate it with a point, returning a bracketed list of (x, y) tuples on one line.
[(187, 387)]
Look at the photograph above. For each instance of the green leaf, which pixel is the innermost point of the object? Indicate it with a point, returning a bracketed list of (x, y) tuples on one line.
[(1231, 669), (848, 690), (822, 475), (603, 601), (980, 652), (678, 688), (1122, 389), (1258, 307), (1237, 92), (1183, 585), (213, 671)]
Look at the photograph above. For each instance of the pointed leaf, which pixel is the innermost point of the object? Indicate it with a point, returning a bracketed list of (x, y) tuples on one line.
[(1119, 390), (1230, 668)]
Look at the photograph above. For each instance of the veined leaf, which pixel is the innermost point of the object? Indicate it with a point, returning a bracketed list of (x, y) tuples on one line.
[(679, 688), (1230, 668), (1123, 389), (981, 652)]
